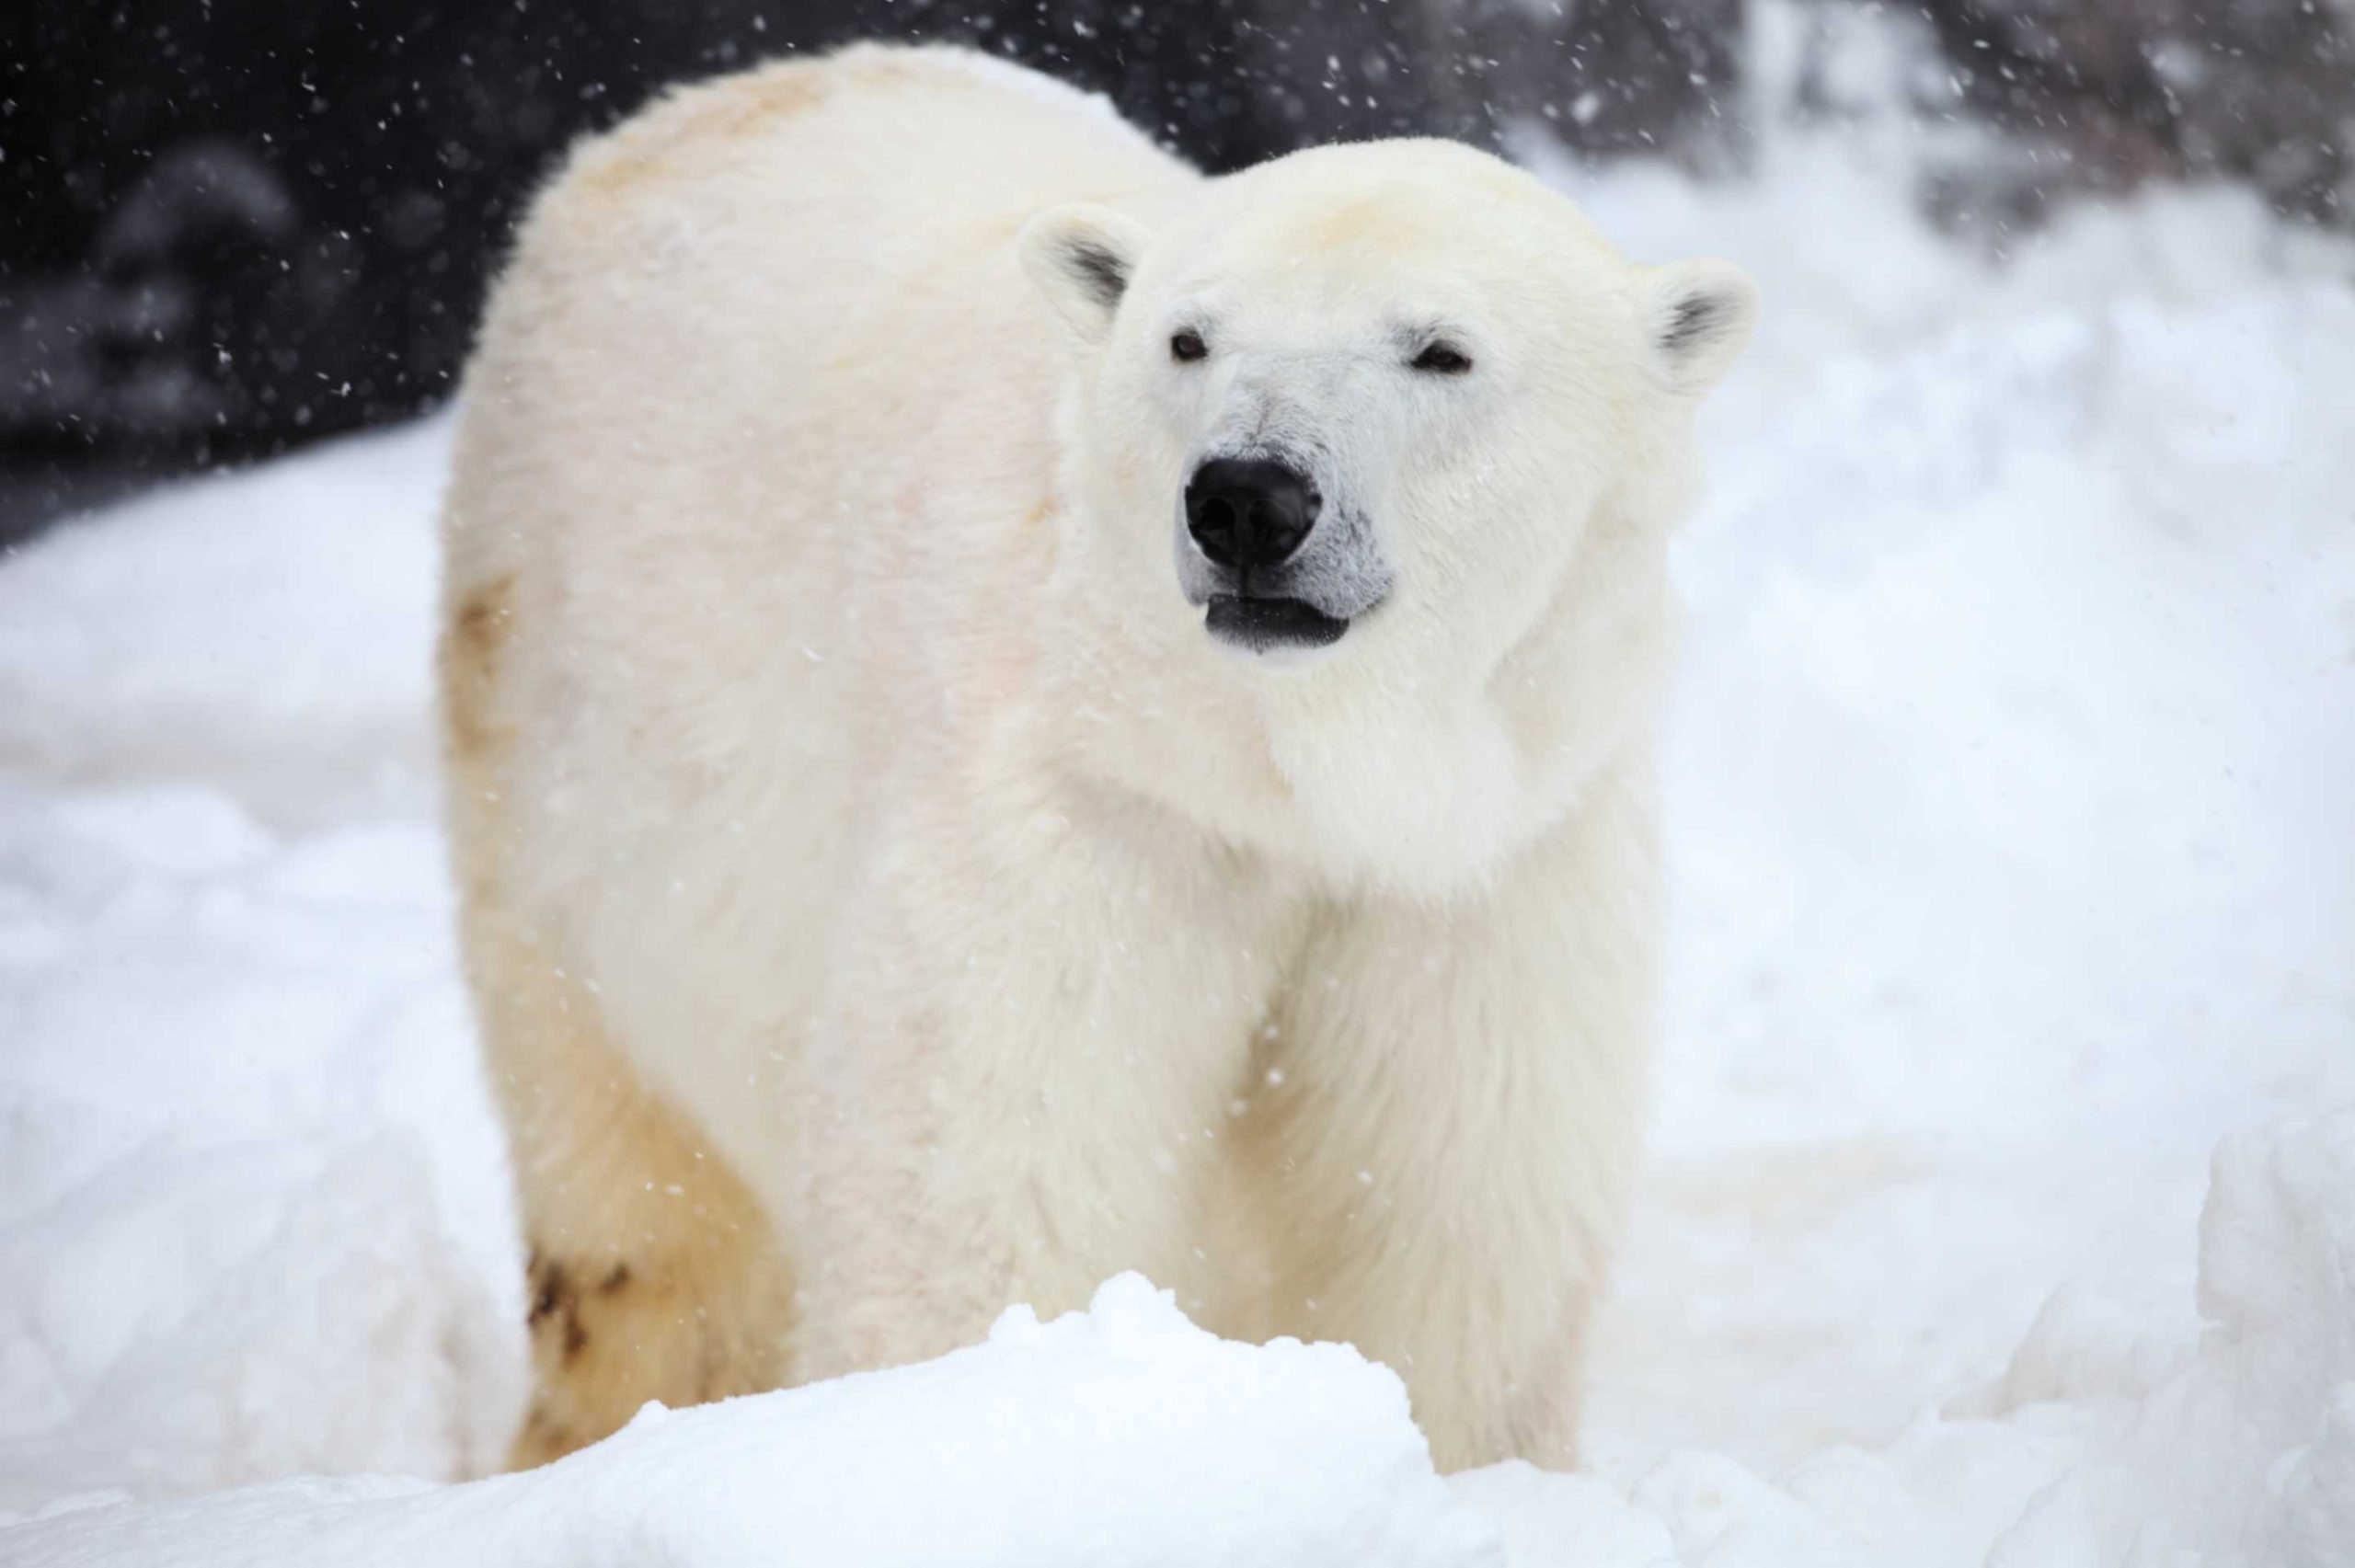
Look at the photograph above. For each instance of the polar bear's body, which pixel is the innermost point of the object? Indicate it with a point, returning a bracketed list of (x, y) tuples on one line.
[(885, 901)]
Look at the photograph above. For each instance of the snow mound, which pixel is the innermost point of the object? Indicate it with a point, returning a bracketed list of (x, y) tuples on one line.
[(1126, 1436), (1121, 1436), (2097, 1448), (265, 631), (2245, 1451), (253, 1218)]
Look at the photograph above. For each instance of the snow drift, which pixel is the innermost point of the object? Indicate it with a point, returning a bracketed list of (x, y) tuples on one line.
[(1122, 1435), (1125, 1435)]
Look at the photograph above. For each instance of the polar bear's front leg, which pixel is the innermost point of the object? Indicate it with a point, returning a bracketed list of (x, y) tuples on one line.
[(1449, 1122), (1036, 1025)]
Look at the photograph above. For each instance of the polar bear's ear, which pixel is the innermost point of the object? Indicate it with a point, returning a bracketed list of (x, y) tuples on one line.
[(1081, 258), (1701, 314)]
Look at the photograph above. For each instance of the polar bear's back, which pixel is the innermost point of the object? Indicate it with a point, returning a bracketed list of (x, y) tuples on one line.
[(760, 399), (757, 263)]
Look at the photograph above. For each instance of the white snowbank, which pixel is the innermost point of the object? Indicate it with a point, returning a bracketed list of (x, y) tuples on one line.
[(1124, 1435), (2245, 1451), (257, 630), (253, 1218), (1119, 1435), (2014, 870), (2097, 1450)]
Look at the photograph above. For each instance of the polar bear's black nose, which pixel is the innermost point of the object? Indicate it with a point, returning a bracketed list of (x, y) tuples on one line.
[(1247, 512)]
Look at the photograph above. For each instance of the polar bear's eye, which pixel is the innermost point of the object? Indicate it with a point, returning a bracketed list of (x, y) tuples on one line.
[(1187, 346), (1442, 358)]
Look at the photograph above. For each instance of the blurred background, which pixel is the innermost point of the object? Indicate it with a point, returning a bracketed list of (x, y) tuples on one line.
[(230, 227)]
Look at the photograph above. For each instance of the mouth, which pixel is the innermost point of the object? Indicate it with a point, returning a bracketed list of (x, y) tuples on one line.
[(1262, 625)]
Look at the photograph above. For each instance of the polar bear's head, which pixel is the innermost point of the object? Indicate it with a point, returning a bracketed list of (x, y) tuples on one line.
[(1391, 370), (1373, 416)]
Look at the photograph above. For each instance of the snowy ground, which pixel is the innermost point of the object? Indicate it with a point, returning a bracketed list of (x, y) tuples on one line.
[(2014, 837)]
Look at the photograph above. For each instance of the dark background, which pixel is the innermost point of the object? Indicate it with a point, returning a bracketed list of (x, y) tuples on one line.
[(231, 226)]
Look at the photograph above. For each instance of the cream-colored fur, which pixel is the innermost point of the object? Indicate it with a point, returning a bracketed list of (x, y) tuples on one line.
[(885, 902)]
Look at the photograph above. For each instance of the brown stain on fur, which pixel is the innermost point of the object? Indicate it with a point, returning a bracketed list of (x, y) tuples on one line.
[(471, 650), (674, 1333), (726, 112), (555, 1308), (544, 1435), (1371, 222)]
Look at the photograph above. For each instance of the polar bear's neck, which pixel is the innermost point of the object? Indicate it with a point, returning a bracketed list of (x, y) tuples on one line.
[(1370, 776)]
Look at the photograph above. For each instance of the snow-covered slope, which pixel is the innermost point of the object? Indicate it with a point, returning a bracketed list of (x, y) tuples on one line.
[(2015, 870)]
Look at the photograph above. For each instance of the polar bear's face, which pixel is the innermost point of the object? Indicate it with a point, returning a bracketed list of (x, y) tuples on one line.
[(1369, 386)]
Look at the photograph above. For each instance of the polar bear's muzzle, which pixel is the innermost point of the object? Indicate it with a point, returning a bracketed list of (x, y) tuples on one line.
[(1253, 554), (1249, 622)]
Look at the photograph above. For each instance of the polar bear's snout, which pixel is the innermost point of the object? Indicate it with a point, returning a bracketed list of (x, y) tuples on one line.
[(1271, 566), (1248, 518)]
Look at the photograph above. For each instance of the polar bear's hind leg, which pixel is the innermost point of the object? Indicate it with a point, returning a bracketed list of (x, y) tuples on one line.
[(654, 1274)]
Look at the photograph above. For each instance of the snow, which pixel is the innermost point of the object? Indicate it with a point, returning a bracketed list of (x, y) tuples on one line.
[(2015, 862), (2002, 1209), (260, 634), (1121, 1434)]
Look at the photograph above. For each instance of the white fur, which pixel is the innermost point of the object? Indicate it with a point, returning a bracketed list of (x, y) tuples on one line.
[(867, 763)]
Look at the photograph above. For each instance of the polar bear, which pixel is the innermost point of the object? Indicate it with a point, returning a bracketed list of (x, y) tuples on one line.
[(1016, 713)]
